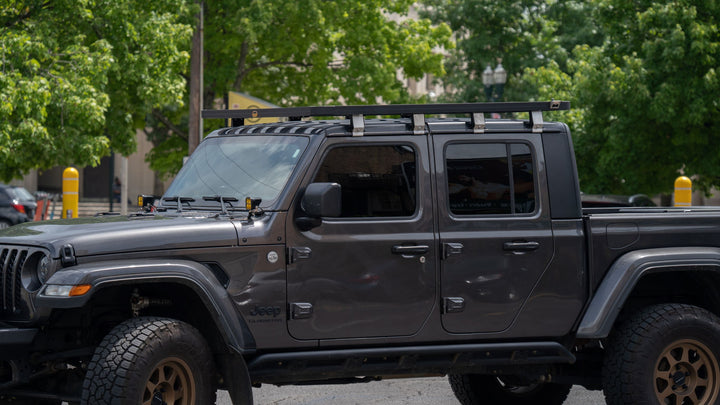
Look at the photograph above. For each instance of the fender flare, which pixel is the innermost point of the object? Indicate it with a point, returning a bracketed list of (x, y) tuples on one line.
[(624, 275), (193, 275)]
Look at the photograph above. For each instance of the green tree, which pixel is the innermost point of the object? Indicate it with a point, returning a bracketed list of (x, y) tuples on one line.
[(79, 76), (650, 96), (523, 34), (304, 53)]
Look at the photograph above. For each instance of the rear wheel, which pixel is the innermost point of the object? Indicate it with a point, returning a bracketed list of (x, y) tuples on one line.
[(475, 389), (665, 354), (151, 361), (4, 224)]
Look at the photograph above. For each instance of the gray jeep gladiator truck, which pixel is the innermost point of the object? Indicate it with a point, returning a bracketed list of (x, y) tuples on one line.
[(354, 247)]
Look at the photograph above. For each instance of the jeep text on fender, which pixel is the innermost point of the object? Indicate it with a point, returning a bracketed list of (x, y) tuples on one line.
[(384, 242)]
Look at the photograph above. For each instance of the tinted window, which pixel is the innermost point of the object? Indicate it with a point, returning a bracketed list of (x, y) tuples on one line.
[(487, 179), (376, 181)]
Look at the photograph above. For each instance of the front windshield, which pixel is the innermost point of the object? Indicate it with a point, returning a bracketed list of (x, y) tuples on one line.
[(238, 167)]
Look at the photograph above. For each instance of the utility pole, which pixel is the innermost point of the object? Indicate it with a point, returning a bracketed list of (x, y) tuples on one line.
[(195, 129)]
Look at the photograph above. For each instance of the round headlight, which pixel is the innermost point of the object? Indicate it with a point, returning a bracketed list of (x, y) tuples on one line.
[(36, 270)]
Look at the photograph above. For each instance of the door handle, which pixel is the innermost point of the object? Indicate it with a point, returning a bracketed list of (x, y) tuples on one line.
[(521, 246), (411, 250)]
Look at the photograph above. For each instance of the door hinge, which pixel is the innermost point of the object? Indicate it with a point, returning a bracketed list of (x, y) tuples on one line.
[(450, 249), (453, 304), (297, 253), (301, 310)]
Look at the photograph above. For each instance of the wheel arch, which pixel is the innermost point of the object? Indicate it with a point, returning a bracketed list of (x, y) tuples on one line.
[(639, 277), (184, 280)]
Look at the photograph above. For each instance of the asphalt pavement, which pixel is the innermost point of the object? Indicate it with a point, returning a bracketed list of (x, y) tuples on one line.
[(412, 391)]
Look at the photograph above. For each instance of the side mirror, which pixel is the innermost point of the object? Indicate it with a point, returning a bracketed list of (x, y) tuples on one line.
[(320, 200)]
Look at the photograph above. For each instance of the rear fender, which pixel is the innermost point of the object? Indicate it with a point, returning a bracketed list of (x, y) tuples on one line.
[(624, 275)]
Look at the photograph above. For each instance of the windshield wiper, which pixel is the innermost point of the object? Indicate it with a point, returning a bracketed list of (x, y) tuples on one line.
[(222, 200), (179, 200)]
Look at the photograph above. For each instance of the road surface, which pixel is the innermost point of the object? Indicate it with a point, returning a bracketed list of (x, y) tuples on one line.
[(414, 391)]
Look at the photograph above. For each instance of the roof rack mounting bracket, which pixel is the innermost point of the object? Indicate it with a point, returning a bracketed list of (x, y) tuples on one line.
[(536, 121), (357, 121), (478, 123), (418, 123)]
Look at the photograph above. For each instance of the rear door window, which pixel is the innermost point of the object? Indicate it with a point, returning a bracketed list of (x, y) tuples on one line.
[(490, 179)]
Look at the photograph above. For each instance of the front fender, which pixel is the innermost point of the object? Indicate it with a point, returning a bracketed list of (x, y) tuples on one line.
[(625, 273), (185, 272)]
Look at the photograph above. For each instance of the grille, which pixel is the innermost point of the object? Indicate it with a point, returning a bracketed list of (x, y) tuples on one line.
[(12, 260)]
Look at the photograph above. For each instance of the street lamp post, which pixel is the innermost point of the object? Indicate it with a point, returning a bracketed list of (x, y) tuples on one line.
[(494, 82)]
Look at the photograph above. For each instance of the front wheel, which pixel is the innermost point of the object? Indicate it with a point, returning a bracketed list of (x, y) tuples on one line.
[(151, 361), (665, 354), (476, 389)]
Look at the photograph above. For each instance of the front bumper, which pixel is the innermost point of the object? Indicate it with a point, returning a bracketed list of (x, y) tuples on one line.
[(15, 341)]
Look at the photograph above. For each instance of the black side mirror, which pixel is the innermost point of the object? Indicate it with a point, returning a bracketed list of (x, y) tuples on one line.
[(320, 200)]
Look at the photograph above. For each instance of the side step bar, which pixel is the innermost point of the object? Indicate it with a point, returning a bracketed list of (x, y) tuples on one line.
[(278, 368)]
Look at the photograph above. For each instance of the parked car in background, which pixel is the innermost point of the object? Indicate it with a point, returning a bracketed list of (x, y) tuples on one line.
[(611, 200), (27, 200), (17, 205)]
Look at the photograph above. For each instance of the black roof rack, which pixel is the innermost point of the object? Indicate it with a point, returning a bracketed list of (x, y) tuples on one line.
[(356, 113)]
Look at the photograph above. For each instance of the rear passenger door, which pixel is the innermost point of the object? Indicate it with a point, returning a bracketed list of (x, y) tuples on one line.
[(495, 233)]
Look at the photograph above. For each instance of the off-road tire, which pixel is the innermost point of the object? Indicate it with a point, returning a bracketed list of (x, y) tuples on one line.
[(664, 354), (150, 357), (475, 389)]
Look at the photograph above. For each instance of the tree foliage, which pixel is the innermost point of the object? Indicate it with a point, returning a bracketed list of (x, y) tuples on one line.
[(78, 77), (305, 53), (642, 78), (522, 34), (650, 97)]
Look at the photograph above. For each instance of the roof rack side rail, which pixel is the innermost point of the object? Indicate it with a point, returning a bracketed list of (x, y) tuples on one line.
[(356, 113), (389, 109)]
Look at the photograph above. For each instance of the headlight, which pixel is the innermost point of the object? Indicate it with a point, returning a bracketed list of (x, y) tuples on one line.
[(36, 270)]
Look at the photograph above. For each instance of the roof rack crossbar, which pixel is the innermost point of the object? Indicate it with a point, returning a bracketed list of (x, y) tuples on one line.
[(390, 109)]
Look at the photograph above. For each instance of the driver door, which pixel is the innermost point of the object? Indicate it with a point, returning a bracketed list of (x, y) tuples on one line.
[(371, 271)]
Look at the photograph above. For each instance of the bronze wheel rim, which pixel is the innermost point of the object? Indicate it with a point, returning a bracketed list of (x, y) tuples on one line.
[(171, 382), (686, 373)]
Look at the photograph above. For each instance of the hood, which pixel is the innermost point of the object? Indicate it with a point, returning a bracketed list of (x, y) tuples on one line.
[(117, 234)]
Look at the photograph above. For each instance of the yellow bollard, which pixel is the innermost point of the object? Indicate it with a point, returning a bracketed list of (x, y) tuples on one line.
[(683, 192), (70, 188)]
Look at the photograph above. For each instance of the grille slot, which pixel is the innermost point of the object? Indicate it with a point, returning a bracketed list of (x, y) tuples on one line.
[(11, 263)]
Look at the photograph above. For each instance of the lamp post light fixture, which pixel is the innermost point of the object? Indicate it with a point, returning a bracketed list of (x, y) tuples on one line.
[(488, 81), (494, 82)]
